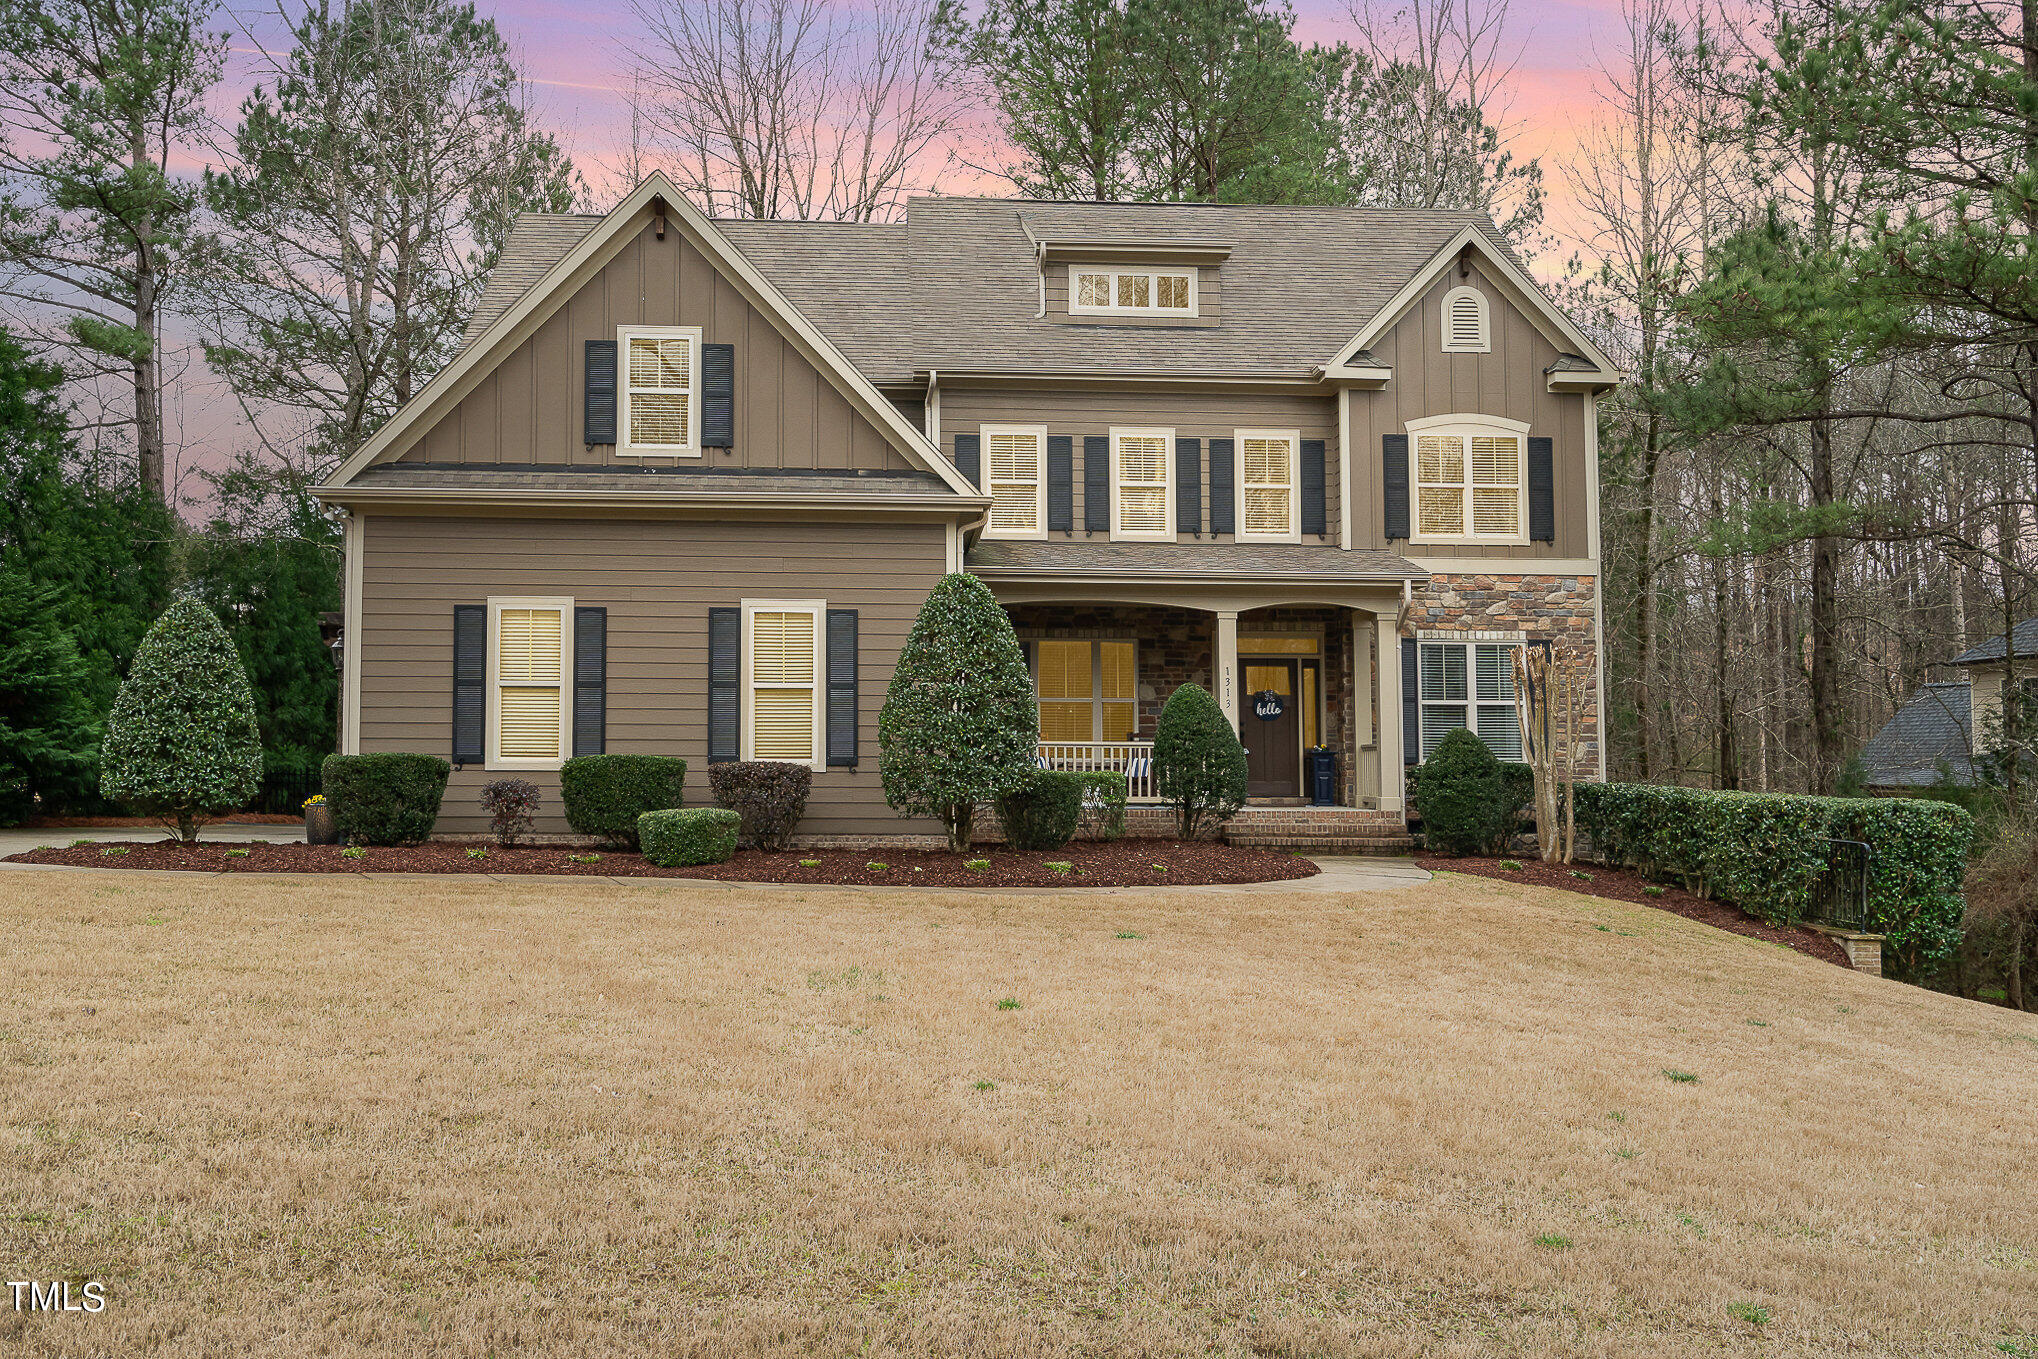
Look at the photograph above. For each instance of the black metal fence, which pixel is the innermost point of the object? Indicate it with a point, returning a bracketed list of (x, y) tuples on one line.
[(284, 790), (1839, 895)]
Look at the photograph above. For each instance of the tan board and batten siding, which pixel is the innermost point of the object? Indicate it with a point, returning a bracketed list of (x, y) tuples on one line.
[(1509, 381), (657, 580), (527, 410)]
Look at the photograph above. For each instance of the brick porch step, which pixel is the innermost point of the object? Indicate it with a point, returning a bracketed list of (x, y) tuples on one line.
[(1323, 830)]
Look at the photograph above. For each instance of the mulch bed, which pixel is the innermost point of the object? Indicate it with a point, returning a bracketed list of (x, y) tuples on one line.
[(1123, 863), (145, 823), (1621, 884)]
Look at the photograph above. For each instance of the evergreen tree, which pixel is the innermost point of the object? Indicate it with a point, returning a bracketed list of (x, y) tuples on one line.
[(181, 742), (46, 727), (959, 725), (1198, 761)]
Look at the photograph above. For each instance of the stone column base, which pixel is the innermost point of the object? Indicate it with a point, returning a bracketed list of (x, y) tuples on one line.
[(1864, 951)]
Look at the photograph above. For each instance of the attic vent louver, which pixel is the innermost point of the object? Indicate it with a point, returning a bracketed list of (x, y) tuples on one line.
[(1465, 326)]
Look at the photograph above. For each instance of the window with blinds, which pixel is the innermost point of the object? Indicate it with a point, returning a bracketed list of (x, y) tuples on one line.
[(1087, 689), (1469, 684), (1469, 484), (661, 370), (530, 682), (1013, 459), (1143, 506), (1158, 292), (1267, 507), (781, 656), (1465, 328)]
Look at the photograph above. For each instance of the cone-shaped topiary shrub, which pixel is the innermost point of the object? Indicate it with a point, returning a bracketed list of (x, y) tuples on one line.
[(1468, 802), (181, 742), (1198, 763), (959, 724)]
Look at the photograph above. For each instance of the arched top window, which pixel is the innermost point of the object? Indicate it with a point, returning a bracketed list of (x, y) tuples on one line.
[(1465, 322)]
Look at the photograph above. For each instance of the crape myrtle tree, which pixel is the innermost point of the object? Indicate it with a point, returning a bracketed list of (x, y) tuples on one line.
[(181, 742), (959, 725)]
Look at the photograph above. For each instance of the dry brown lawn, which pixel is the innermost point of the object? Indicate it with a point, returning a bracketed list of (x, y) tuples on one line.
[(407, 1117)]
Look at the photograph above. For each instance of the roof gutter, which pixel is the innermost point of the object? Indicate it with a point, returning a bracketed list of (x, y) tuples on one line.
[(1033, 575)]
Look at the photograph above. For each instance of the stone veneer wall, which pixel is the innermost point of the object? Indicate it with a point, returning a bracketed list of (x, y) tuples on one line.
[(1560, 609)]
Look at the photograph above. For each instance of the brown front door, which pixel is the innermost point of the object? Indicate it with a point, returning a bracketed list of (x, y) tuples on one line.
[(1273, 745)]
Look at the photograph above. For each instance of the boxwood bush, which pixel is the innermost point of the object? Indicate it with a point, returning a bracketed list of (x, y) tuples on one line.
[(1504, 790), (1042, 813), (605, 794), (698, 835), (385, 799), (1105, 792), (1763, 851), (770, 796)]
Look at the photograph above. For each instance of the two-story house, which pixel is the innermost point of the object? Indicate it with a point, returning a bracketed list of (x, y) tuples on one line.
[(687, 484)]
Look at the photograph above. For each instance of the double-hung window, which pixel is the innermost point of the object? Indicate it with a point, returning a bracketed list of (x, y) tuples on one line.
[(1142, 501), (1469, 684), (1097, 289), (1087, 690), (1015, 457), (1471, 478), (529, 700), (782, 685), (1269, 505), (660, 390)]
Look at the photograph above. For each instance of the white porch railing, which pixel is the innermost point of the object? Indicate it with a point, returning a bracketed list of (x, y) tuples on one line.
[(1134, 759)]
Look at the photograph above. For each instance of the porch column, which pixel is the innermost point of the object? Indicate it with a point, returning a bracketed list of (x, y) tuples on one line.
[(1387, 654), (1227, 665)]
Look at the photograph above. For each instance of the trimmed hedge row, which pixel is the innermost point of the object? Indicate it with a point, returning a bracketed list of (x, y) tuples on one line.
[(388, 798), (680, 839), (1762, 851)]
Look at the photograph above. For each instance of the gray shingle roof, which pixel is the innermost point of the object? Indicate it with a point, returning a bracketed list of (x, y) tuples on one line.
[(2025, 635), (537, 241), (1929, 730), (1280, 561), (677, 480)]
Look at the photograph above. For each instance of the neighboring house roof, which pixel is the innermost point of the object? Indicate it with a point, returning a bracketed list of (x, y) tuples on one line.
[(2025, 635), (1259, 561), (1926, 733)]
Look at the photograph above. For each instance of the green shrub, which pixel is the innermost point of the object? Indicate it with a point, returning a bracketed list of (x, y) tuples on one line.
[(770, 796), (181, 741), (1198, 763), (385, 799), (1105, 792), (1464, 796), (605, 794), (959, 724), (1042, 814), (678, 839), (1763, 852)]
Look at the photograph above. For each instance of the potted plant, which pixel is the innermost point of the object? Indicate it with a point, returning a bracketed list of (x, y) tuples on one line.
[(319, 826)]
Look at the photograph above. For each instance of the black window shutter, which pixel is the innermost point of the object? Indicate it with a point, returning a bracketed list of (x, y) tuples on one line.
[(1411, 705), (590, 679), (842, 687), (725, 679), (1542, 489), (1394, 483), (1221, 487), (1097, 483), (598, 410), (969, 458), (1188, 485), (470, 683), (1313, 511), (1061, 483), (718, 395)]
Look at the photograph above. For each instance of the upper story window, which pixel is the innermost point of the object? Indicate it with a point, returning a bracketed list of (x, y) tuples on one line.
[(1466, 328), (1269, 511), (1099, 290), (529, 701), (1142, 500), (1471, 472), (1014, 457), (660, 390)]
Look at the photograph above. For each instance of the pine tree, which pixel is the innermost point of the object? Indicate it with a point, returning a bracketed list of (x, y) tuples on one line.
[(182, 742), (959, 725), (46, 727)]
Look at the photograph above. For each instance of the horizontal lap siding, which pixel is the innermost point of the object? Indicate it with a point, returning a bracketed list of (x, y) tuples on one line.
[(657, 580)]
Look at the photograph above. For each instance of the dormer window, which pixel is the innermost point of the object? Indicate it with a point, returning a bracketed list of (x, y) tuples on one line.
[(1095, 290), (1465, 322)]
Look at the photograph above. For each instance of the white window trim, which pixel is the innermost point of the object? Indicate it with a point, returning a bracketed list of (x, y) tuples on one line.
[(1467, 642), (1485, 344), (1167, 438), (1294, 438), (1468, 426), (748, 689), (491, 756), (1039, 433), (626, 449), (1191, 273)]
